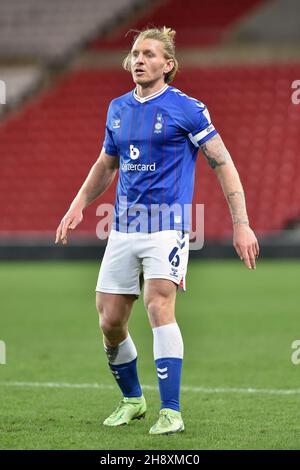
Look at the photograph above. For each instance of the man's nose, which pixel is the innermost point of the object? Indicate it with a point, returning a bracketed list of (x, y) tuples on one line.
[(140, 58)]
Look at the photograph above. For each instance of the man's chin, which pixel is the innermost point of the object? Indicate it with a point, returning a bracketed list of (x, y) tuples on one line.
[(140, 81), (143, 81)]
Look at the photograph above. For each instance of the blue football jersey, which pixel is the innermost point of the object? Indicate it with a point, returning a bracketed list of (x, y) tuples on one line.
[(157, 140)]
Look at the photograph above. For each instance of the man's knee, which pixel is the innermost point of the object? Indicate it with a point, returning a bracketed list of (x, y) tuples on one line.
[(160, 310), (108, 319), (109, 325), (156, 304), (113, 312)]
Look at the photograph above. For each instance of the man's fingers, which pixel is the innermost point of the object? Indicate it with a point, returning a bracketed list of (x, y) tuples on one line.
[(69, 222), (245, 257), (247, 261), (252, 256), (65, 227), (256, 248), (248, 250), (249, 257), (58, 233), (73, 224), (237, 249), (61, 232)]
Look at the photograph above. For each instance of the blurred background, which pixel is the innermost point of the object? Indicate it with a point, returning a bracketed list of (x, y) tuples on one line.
[(60, 66), (60, 62)]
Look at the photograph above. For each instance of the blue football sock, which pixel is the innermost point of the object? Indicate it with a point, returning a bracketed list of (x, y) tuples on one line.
[(122, 361), (127, 378), (168, 356), (169, 375)]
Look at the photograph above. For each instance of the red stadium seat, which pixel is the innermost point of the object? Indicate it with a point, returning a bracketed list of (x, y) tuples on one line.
[(197, 23), (48, 147)]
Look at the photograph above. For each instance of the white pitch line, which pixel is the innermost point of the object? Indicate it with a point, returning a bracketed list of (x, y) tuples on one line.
[(184, 388)]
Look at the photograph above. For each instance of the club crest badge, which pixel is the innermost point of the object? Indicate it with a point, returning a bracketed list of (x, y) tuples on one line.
[(116, 123), (159, 124)]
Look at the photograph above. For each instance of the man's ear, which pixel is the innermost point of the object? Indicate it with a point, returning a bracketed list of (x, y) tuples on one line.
[(169, 66)]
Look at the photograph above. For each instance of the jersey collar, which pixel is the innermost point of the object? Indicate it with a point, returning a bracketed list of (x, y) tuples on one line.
[(150, 97)]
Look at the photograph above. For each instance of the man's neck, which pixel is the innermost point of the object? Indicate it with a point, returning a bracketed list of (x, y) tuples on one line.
[(148, 90)]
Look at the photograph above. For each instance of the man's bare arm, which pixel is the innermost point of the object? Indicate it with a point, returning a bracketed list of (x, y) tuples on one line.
[(220, 160), (98, 180)]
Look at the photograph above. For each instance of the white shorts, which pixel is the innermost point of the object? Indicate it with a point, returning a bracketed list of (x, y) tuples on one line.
[(159, 255)]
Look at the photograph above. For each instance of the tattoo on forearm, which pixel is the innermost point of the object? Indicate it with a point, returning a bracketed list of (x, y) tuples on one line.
[(216, 156), (237, 205)]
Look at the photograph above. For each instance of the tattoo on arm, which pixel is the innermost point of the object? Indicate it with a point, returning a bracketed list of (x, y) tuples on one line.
[(215, 152), (237, 205), (219, 158)]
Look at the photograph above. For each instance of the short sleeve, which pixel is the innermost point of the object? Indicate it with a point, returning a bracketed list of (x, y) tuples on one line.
[(201, 127), (193, 117), (109, 144)]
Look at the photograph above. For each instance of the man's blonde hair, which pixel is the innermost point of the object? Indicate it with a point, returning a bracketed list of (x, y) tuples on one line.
[(167, 37)]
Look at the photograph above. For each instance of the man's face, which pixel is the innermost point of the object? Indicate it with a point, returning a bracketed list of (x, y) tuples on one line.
[(148, 64)]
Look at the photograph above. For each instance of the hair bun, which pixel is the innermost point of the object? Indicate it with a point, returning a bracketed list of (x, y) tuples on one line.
[(169, 32)]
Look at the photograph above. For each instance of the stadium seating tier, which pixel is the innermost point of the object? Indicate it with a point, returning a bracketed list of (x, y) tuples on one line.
[(48, 147)]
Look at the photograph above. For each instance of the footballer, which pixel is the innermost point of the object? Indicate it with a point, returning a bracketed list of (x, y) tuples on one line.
[(152, 137)]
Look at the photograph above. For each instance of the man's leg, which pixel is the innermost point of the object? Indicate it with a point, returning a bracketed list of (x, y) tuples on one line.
[(160, 298), (114, 311)]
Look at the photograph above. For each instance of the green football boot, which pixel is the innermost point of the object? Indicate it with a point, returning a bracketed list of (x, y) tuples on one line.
[(127, 410), (169, 422)]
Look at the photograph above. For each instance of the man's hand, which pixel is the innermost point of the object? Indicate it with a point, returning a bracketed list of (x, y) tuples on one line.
[(246, 244), (70, 221)]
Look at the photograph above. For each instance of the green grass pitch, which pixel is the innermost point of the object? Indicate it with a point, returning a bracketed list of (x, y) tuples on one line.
[(238, 327)]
